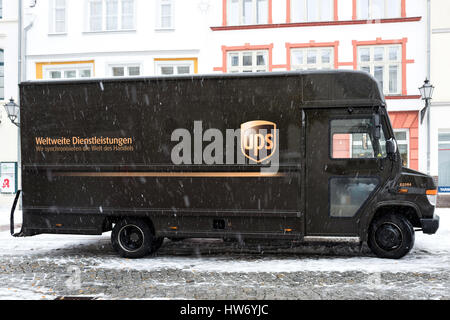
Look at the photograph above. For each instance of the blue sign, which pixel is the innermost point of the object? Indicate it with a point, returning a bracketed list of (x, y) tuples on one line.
[(444, 189)]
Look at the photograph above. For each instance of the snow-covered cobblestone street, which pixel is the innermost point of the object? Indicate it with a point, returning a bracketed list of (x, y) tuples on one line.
[(50, 266)]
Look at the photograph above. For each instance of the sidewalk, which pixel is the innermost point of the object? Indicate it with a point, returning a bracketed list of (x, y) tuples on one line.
[(6, 202)]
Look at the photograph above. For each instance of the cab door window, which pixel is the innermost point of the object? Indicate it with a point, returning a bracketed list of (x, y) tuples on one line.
[(354, 139), (347, 194)]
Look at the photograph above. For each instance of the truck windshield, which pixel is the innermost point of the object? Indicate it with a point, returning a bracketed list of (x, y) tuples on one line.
[(354, 139)]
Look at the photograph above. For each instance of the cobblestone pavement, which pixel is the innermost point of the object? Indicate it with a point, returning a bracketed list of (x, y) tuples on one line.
[(82, 270)]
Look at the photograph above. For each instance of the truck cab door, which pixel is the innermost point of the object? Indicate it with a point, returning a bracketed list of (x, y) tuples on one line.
[(345, 166)]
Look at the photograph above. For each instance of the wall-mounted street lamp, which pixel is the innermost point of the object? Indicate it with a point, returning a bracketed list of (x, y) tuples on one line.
[(426, 91), (12, 109)]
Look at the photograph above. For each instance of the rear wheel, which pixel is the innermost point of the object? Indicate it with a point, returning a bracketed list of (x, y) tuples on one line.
[(391, 236), (132, 238)]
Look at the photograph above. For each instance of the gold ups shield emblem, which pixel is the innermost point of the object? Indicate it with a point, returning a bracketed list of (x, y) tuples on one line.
[(258, 140)]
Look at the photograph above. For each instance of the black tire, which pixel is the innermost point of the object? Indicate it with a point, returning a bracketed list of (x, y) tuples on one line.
[(391, 236), (132, 238), (156, 244)]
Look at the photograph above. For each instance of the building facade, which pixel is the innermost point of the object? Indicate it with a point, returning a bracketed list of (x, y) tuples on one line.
[(440, 106), (384, 38), (114, 38), (8, 89)]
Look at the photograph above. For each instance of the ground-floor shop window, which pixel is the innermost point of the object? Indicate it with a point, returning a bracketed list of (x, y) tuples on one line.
[(68, 71), (444, 162), (402, 137), (248, 61), (312, 58), (168, 67), (125, 70)]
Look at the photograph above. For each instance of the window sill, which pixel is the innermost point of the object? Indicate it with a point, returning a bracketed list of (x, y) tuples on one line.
[(51, 34), (314, 24), (110, 31), (126, 76), (400, 96), (7, 20), (164, 29)]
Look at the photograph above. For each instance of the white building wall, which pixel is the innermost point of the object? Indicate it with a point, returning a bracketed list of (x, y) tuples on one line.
[(8, 43), (440, 65), (142, 45), (192, 33)]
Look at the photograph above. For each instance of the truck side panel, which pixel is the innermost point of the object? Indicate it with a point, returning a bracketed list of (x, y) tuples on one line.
[(66, 188)]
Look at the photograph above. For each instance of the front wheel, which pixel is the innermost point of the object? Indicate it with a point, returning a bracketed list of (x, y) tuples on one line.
[(132, 238), (391, 236)]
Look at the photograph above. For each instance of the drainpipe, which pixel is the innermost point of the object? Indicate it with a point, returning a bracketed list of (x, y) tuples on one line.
[(25, 41), (19, 80), (22, 67), (19, 19), (429, 78)]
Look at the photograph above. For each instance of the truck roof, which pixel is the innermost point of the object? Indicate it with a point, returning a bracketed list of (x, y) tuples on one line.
[(342, 87)]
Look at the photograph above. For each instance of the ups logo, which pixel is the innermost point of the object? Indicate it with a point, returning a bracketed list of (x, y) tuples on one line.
[(258, 140)]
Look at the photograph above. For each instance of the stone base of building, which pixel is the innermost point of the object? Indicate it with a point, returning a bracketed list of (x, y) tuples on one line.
[(443, 201)]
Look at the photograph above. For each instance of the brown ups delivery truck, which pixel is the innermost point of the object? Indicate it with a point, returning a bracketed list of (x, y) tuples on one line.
[(306, 156)]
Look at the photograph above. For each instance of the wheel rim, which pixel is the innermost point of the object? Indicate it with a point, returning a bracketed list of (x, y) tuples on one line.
[(388, 236), (131, 238)]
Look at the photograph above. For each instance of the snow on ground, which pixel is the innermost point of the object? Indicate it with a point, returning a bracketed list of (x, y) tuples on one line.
[(6, 202), (15, 294), (430, 254)]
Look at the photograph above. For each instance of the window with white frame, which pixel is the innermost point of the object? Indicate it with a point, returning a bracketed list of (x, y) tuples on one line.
[(312, 10), (312, 58), (165, 14), (174, 67), (248, 61), (68, 71), (2, 74), (444, 160), (402, 137), (111, 15), (125, 70), (58, 16), (384, 63), (246, 12), (378, 9)]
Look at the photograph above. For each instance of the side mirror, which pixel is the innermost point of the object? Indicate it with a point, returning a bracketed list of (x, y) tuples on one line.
[(391, 146), (376, 126)]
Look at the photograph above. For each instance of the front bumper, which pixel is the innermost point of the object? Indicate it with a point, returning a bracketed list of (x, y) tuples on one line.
[(430, 226)]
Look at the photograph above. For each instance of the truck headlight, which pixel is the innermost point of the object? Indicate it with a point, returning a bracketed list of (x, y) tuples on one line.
[(432, 196)]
